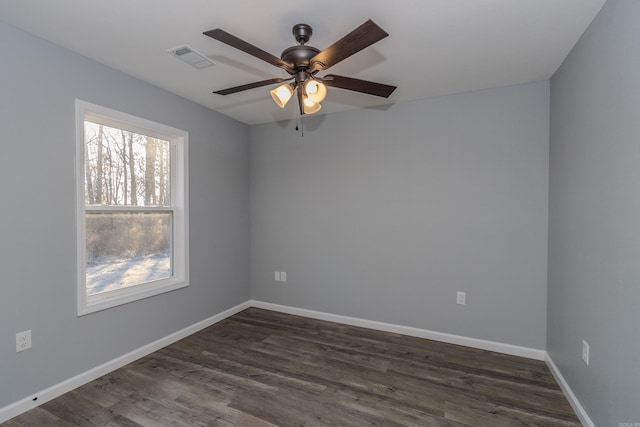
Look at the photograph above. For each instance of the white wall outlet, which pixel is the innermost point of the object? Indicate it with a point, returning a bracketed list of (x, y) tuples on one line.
[(461, 298), (23, 341), (283, 276), (585, 352), (277, 276)]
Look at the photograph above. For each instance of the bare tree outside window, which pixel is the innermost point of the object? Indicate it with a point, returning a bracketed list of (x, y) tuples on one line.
[(126, 169)]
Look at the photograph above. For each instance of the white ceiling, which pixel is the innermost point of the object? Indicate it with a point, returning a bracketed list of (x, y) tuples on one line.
[(435, 47)]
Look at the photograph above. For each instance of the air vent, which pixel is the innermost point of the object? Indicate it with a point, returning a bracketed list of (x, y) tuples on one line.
[(191, 57)]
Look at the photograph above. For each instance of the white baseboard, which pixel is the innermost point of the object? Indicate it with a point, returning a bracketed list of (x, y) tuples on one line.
[(59, 389), (564, 386), (530, 353)]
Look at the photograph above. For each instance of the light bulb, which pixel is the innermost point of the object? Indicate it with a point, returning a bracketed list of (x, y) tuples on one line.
[(282, 94), (315, 90)]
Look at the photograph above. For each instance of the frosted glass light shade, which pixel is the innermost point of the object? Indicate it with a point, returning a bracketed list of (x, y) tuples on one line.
[(315, 90), (282, 94), (310, 107)]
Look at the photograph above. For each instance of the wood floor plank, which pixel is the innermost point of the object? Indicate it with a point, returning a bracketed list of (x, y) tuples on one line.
[(262, 368), (478, 413), (37, 417), (120, 421), (78, 411)]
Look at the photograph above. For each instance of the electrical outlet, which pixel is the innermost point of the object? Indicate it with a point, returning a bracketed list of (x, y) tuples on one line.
[(283, 276), (585, 352), (277, 276), (23, 341), (461, 298)]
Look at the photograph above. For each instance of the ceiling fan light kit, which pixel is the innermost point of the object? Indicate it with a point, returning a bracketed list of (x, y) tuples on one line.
[(303, 62)]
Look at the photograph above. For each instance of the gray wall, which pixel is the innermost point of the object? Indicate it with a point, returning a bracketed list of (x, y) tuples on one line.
[(384, 215), (38, 84), (379, 214), (594, 216)]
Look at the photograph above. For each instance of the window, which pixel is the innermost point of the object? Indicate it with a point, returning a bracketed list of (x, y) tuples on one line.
[(131, 208)]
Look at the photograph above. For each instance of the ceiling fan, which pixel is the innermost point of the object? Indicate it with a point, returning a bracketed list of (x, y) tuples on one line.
[(303, 63)]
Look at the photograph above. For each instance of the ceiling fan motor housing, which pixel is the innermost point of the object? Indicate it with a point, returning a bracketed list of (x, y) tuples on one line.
[(300, 56)]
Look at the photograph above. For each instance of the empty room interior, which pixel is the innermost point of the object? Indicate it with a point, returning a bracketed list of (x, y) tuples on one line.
[(437, 222)]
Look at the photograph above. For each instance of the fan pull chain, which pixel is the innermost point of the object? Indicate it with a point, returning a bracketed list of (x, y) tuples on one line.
[(301, 127)]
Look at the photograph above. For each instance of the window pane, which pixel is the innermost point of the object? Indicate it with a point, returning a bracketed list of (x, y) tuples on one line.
[(126, 249), (124, 168)]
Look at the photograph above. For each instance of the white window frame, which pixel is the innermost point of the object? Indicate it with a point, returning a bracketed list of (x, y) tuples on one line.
[(179, 141)]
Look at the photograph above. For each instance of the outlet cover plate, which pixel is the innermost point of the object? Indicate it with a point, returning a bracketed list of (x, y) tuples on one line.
[(23, 341)]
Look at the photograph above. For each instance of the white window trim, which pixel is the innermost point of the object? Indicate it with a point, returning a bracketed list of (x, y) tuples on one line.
[(179, 140)]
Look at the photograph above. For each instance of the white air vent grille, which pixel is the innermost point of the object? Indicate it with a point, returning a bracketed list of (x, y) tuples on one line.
[(191, 57)]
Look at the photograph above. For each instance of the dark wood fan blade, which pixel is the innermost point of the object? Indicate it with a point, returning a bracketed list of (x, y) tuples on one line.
[(364, 86), (249, 86), (242, 45), (363, 36)]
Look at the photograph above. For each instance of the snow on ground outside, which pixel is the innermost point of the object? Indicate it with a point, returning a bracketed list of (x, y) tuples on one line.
[(115, 273)]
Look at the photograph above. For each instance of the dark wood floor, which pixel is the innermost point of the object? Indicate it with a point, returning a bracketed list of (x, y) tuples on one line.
[(262, 368)]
